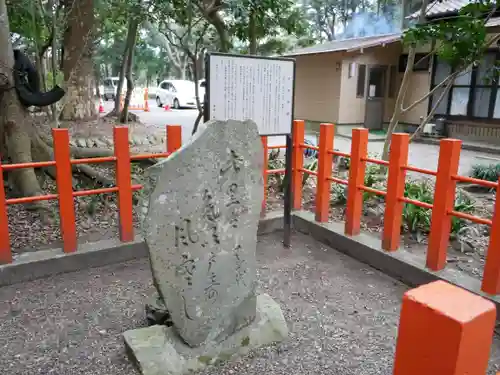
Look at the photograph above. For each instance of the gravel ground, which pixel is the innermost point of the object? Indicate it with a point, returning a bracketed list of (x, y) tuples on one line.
[(343, 317)]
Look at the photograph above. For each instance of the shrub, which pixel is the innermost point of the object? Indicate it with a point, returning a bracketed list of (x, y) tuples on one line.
[(419, 218), (372, 179), (275, 162), (486, 172)]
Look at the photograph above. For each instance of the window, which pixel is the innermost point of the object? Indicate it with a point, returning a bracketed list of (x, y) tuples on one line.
[(360, 87), (376, 82), (421, 63), (163, 86), (474, 93), (393, 77), (107, 83), (351, 71), (460, 93)]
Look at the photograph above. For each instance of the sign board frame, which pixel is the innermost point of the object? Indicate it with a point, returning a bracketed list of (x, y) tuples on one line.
[(287, 217)]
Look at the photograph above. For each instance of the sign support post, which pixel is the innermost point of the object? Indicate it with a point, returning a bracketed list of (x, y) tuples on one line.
[(287, 214)]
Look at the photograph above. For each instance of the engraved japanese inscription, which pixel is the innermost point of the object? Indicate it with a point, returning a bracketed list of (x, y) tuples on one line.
[(201, 230)]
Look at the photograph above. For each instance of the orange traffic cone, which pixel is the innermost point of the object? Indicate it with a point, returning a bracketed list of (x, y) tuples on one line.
[(101, 107), (166, 107)]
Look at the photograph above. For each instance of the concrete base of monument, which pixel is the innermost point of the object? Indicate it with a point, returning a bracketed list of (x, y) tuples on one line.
[(158, 350)]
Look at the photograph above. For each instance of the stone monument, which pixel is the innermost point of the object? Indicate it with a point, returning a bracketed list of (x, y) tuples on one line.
[(200, 220)]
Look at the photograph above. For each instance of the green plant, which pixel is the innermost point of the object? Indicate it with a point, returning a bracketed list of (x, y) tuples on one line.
[(372, 178), (312, 166), (338, 194), (486, 172), (417, 218), (463, 203)]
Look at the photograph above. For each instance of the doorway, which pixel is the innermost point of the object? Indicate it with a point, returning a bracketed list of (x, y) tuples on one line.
[(374, 109)]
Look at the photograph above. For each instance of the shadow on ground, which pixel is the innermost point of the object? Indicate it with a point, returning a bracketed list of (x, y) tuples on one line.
[(343, 317)]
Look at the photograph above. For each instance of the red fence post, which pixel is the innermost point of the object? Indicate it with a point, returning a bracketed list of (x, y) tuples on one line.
[(491, 276), (444, 201), (398, 158), (174, 138), (323, 186), (444, 330), (264, 172), (64, 179), (359, 151), (5, 252), (124, 183), (297, 163)]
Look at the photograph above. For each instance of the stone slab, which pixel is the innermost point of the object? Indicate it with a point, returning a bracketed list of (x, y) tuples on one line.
[(158, 350), (201, 217)]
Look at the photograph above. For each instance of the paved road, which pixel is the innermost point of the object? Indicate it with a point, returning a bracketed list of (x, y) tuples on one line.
[(421, 155), (184, 117)]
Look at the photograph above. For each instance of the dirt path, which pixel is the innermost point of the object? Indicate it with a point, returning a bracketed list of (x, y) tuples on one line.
[(343, 317)]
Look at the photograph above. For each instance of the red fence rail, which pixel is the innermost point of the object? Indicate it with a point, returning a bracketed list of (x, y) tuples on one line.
[(65, 193), (444, 194), (442, 208)]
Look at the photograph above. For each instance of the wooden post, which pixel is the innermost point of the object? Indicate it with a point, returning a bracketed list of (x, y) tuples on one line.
[(174, 138), (297, 163), (444, 201), (124, 183), (325, 161), (64, 179), (398, 158), (5, 252), (491, 276), (444, 330), (359, 151), (264, 173)]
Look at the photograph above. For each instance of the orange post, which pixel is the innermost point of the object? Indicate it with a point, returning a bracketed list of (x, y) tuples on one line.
[(444, 330), (444, 201), (264, 173), (491, 276), (124, 183), (398, 158), (359, 151), (64, 179), (326, 132), (146, 100), (5, 252), (174, 138), (297, 163)]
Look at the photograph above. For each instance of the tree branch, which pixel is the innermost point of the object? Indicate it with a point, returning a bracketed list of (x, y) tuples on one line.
[(433, 110)]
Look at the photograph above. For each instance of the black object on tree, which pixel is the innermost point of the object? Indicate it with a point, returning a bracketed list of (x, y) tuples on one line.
[(27, 84)]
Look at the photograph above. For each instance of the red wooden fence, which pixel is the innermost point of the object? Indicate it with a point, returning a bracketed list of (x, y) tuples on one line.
[(421, 325), (444, 195), (442, 209)]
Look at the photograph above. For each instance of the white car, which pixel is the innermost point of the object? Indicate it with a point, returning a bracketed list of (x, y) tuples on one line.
[(177, 93), (110, 85), (201, 88)]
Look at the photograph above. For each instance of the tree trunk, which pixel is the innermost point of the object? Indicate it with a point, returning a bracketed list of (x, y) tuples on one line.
[(78, 67), (403, 88), (121, 77), (15, 123), (211, 10), (252, 34), (53, 61), (131, 39)]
